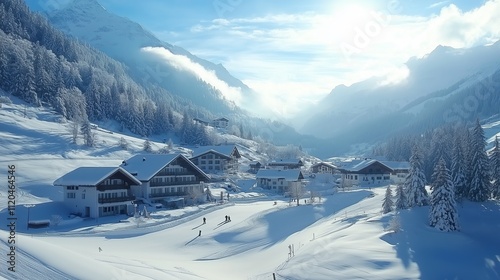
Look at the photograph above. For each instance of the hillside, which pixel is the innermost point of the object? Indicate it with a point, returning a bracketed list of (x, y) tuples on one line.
[(343, 236)]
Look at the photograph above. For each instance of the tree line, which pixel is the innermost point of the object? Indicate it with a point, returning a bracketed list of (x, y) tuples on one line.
[(461, 170)]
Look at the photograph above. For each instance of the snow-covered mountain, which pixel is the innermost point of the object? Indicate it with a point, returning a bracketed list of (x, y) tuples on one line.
[(377, 103), (150, 60)]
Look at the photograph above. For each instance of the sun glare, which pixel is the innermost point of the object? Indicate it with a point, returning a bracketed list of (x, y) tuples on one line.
[(340, 21)]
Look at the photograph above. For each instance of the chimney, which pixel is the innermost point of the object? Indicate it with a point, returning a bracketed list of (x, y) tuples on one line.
[(124, 163)]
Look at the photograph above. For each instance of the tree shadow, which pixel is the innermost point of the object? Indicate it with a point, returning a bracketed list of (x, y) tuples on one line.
[(472, 253)]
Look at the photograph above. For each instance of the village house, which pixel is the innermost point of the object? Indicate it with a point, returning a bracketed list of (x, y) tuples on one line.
[(365, 173), (323, 168), (98, 191), (220, 123), (216, 159), (285, 164), (400, 170), (278, 179), (254, 166), (171, 179)]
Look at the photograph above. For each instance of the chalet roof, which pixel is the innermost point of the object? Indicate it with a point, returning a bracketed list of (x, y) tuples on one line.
[(324, 163), (358, 165), (224, 150), (145, 167), (221, 119), (254, 163), (91, 176), (290, 175), (396, 165), (285, 162)]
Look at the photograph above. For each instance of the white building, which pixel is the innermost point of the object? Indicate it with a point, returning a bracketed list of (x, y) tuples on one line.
[(216, 159), (365, 173), (400, 170), (278, 179), (323, 168), (98, 191), (220, 123), (165, 178)]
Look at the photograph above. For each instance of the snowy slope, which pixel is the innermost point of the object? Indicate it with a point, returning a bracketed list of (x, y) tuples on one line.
[(343, 236)]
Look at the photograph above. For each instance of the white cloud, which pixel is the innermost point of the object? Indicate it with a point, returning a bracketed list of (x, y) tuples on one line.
[(184, 63), (296, 58)]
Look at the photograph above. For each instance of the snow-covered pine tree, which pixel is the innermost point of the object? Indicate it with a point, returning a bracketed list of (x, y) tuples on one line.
[(400, 198), (414, 185), (458, 170), (388, 203), (443, 213), (495, 170), (479, 184), (146, 146), (88, 135)]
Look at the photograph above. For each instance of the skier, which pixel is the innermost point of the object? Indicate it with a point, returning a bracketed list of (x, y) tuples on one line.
[(204, 220), (226, 218), (199, 233), (100, 250)]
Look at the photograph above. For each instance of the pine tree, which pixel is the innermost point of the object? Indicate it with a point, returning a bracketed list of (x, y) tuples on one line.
[(387, 204), (88, 135), (495, 170), (146, 146), (458, 170), (415, 181), (443, 213), (400, 198), (479, 184)]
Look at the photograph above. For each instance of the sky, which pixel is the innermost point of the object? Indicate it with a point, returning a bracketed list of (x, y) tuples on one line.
[(296, 52)]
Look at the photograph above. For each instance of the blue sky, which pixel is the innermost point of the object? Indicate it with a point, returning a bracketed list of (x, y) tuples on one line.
[(295, 52)]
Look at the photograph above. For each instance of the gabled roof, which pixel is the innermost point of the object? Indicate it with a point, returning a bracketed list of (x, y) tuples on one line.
[(145, 167), (324, 163), (396, 165), (223, 150), (285, 162), (91, 176), (358, 165), (221, 119), (290, 175)]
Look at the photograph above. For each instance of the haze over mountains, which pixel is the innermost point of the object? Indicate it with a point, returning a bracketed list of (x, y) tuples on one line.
[(465, 78), (364, 113)]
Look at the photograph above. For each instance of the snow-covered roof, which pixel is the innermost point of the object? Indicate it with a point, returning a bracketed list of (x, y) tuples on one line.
[(144, 167), (285, 162), (287, 175), (396, 165), (224, 150), (324, 163), (358, 165), (91, 176)]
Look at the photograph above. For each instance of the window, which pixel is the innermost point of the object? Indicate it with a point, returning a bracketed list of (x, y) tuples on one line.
[(83, 195), (210, 162), (71, 195), (217, 162), (355, 177)]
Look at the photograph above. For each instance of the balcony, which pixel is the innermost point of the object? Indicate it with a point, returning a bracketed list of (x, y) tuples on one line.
[(175, 183), (116, 199), (102, 188), (156, 195)]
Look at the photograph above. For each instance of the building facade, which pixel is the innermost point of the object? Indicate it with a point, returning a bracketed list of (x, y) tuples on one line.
[(98, 191), (217, 159)]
